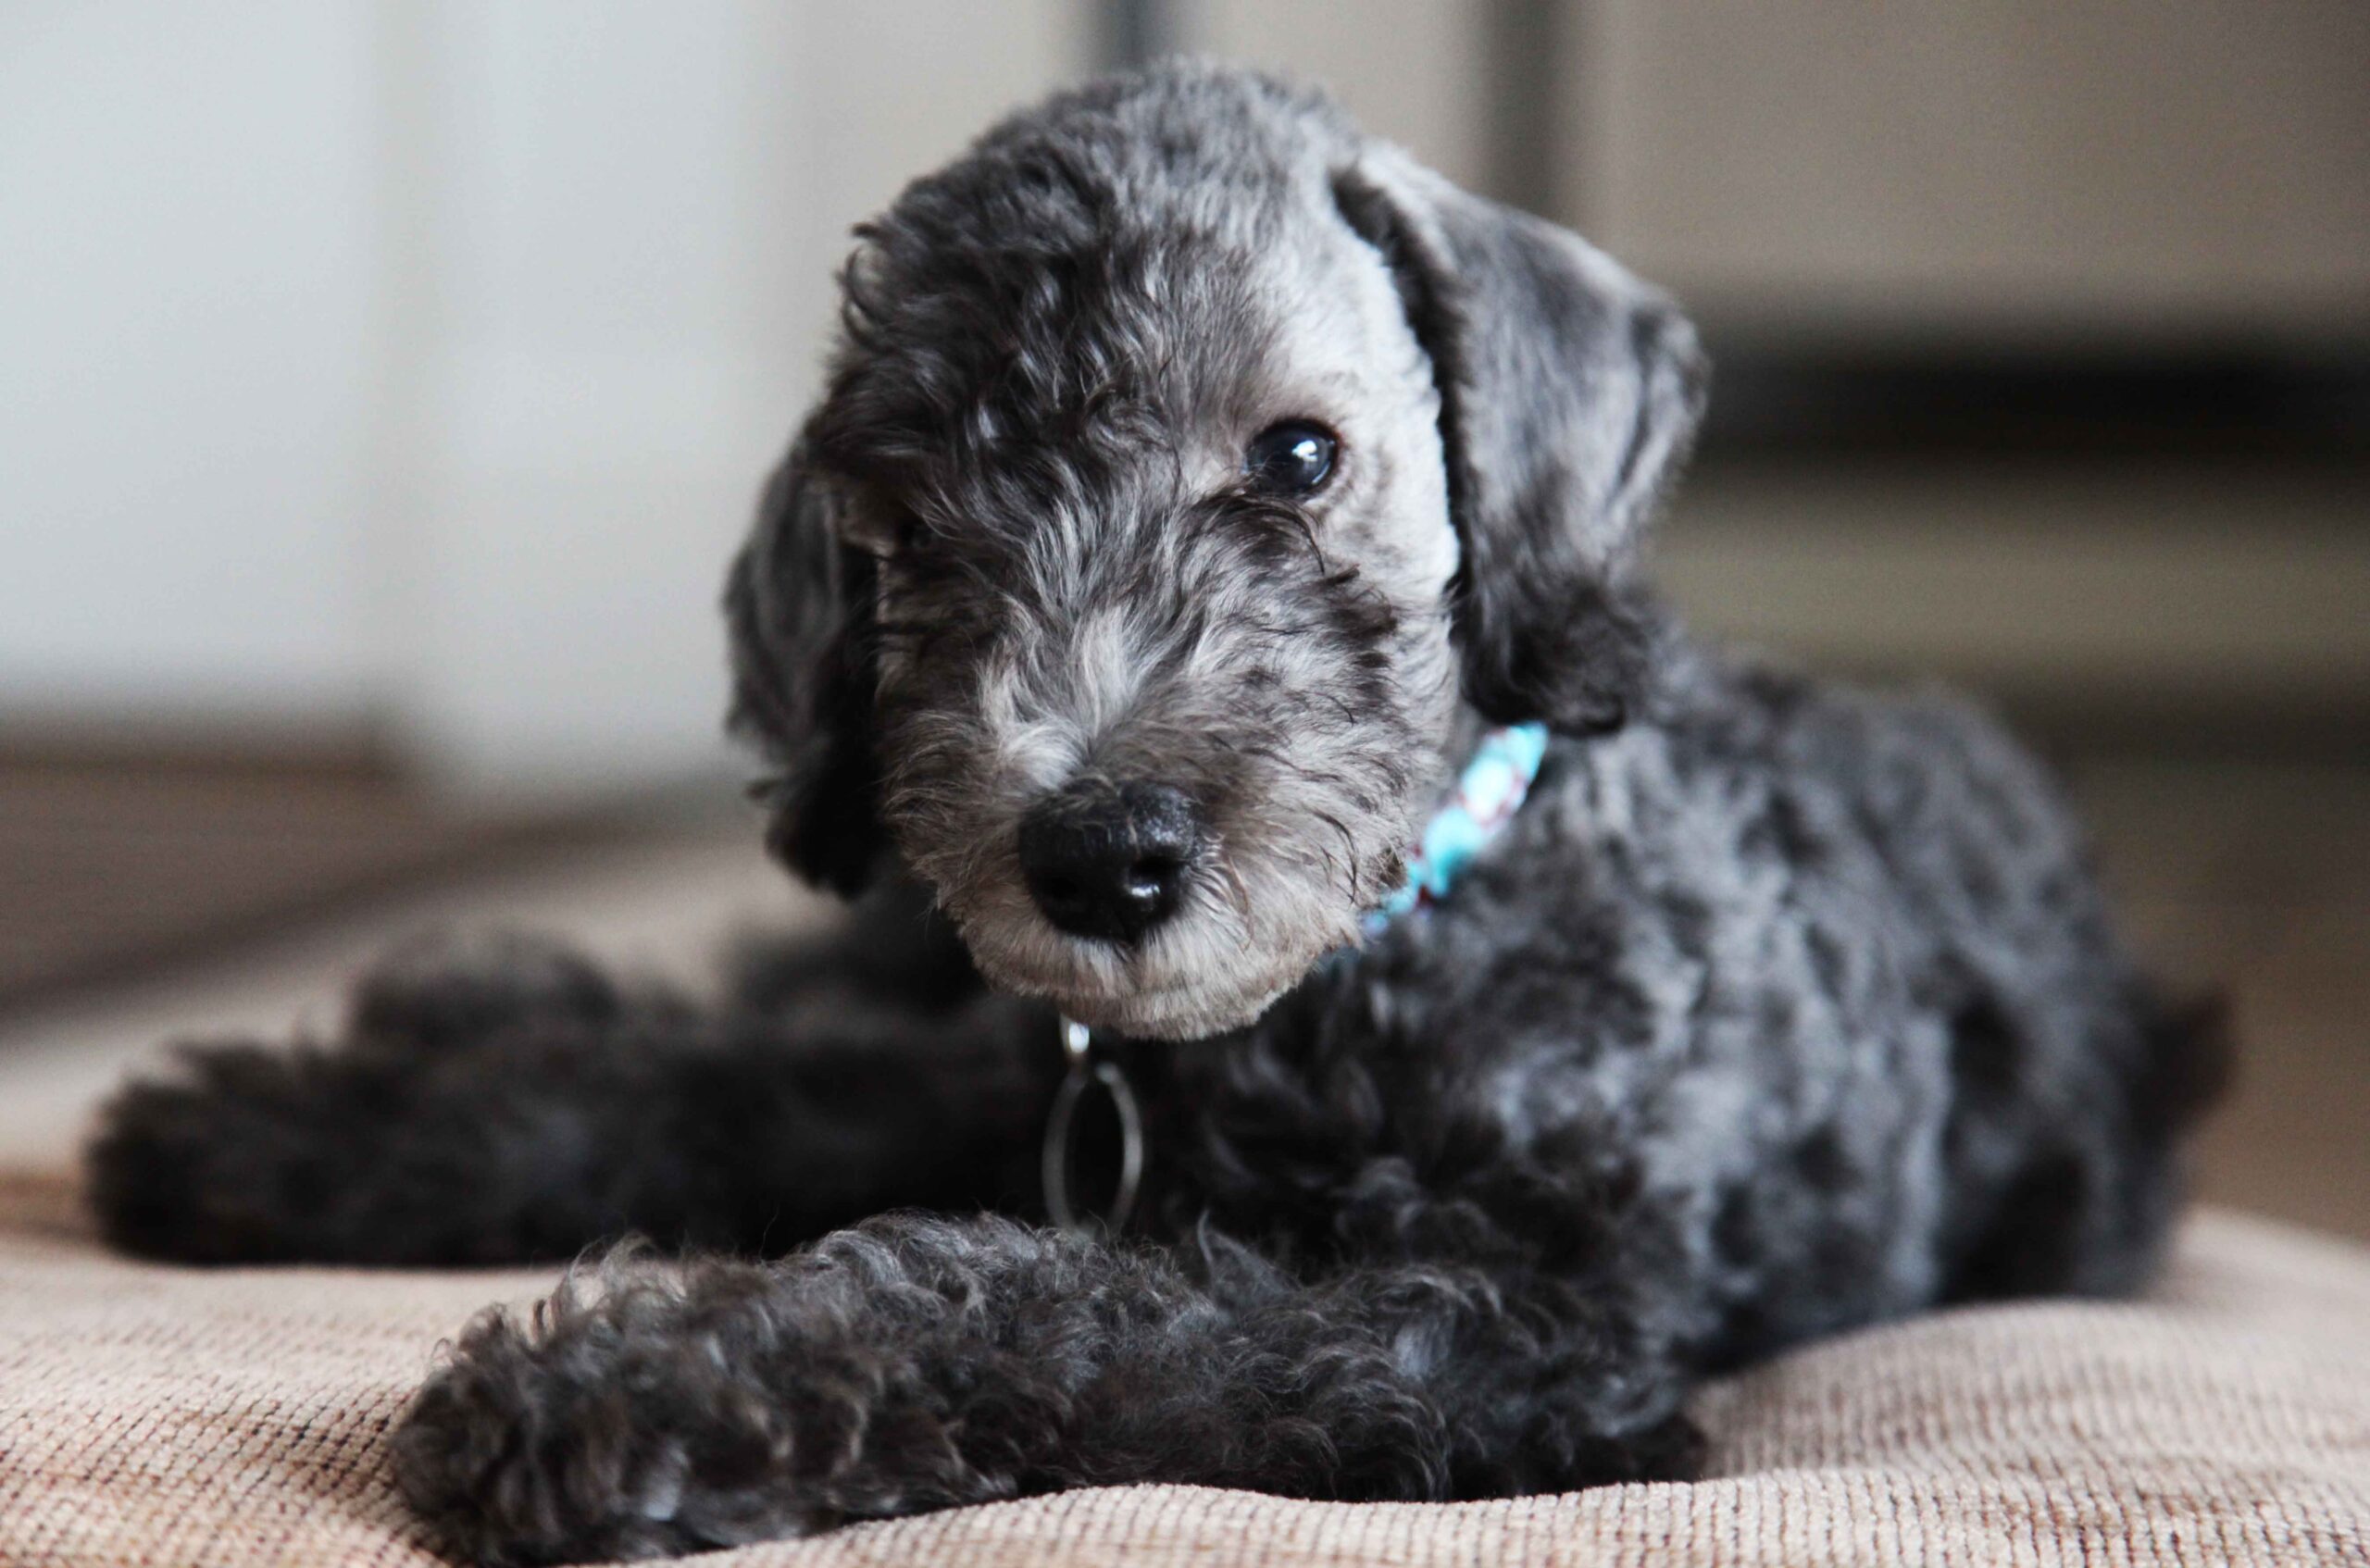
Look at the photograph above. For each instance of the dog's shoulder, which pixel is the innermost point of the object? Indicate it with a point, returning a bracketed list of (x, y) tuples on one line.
[(1904, 804)]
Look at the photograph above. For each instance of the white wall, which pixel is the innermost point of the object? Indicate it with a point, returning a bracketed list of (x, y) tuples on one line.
[(185, 305), (635, 223), (413, 363)]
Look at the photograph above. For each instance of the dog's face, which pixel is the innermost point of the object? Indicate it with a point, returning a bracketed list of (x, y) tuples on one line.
[(1164, 663), (1186, 459)]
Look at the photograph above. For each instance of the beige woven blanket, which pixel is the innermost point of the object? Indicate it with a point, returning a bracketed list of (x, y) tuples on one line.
[(228, 1418)]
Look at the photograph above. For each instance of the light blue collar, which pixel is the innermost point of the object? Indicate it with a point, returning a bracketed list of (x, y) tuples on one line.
[(1488, 793)]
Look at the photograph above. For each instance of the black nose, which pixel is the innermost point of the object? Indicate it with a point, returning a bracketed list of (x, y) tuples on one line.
[(1109, 863)]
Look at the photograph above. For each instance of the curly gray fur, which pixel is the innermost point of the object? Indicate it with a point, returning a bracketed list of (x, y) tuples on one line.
[(1779, 1009)]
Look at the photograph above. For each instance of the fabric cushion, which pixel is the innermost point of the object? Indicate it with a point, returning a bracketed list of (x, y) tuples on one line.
[(237, 1417)]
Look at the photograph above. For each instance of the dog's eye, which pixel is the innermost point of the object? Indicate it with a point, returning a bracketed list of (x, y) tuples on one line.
[(1292, 458)]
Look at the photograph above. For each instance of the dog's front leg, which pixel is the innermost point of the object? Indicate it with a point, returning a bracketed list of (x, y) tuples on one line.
[(535, 1133), (915, 1364)]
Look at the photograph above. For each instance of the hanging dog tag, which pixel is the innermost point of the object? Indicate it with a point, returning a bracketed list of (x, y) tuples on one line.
[(1086, 1071)]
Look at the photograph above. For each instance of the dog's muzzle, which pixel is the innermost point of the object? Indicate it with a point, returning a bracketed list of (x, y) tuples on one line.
[(1109, 863)]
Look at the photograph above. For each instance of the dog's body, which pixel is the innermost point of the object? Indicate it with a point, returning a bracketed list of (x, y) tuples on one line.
[(1775, 1009)]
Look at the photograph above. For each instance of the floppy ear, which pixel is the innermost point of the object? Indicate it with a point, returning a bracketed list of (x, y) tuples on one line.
[(1569, 393), (799, 603)]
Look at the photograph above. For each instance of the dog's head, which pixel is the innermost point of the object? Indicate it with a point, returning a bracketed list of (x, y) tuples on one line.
[(1192, 472)]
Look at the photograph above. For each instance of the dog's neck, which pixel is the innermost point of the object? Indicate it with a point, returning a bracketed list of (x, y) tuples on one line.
[(1501, 762)]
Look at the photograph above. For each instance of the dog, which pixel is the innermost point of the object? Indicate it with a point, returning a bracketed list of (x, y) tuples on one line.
[(1200, 626)]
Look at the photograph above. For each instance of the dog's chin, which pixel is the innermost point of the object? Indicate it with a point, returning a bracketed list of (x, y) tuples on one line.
[(1157, 1002), (1206, 971), (1185, 1012)]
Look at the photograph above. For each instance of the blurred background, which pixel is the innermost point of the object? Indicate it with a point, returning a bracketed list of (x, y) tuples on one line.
[(383, 384)]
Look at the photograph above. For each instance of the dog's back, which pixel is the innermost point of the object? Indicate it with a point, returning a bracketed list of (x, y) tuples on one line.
[(1814, 987), (1926, 944)]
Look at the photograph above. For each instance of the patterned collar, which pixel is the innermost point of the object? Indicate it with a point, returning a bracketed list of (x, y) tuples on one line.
[(1488, 793)]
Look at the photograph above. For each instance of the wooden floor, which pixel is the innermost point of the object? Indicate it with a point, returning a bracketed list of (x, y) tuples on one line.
[(110, 867), (2254, 879)]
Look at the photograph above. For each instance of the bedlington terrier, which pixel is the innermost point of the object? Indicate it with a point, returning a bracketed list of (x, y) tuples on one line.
[(1200, 627)]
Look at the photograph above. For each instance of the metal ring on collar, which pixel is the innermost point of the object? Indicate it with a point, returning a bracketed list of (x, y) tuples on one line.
[(1078, 1044)]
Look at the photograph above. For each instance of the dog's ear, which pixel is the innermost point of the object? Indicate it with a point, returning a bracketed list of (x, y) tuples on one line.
[(1569, 393), (799, 604)]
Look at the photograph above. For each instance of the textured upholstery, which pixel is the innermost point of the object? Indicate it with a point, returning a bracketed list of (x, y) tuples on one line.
[(157, 1416)]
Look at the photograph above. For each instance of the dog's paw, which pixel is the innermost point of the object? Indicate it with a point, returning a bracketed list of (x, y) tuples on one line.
[(595, 1432), (507, 1464), (213, 1163), (670, 1407)]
